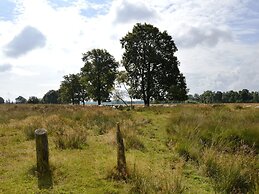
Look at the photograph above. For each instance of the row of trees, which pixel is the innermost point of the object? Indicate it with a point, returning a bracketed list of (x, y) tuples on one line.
[(51, 97), (242, 96), (151, 72)]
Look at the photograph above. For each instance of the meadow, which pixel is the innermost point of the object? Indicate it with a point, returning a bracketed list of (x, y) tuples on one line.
[(169, 149)]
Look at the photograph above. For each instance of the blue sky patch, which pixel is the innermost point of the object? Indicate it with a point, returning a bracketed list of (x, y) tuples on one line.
[(97, 1), (250, 38), (7, 9), (91, 12), (60, 3)]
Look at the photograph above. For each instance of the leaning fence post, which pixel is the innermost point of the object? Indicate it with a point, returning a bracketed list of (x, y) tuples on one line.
[(42, 151), (121, 159)]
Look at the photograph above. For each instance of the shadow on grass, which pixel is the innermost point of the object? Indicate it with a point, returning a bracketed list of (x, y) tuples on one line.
[(45, 180)]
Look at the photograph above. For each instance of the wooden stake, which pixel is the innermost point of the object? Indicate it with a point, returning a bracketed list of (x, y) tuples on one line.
[(121, 159), (42, 151)]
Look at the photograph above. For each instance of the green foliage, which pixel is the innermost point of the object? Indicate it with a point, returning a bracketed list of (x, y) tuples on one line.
[(99, 73), (72, 90), (1, 100), (242, 96), (151, 65), (33, 100), (51, 97), (20, 100)]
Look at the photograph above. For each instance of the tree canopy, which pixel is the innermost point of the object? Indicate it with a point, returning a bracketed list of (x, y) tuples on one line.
[(33, 100), (51, 97), (152, 66), (71, 89), (99, 73), (20, 100), (1, 100), (242, 96)]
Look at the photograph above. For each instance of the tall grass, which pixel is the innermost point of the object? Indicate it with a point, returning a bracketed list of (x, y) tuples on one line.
[(71, 139), (178, 149), (164, 180), (236, 173), (215, 137)]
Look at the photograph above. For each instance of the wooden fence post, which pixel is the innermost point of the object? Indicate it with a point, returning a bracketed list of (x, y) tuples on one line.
[(121, 159), (42, 151)]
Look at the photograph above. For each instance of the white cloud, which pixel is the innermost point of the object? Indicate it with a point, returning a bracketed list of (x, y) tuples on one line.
[(192, 36), (128, 11)]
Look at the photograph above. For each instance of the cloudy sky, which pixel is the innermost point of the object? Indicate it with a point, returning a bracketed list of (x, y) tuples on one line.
[(43, 40)]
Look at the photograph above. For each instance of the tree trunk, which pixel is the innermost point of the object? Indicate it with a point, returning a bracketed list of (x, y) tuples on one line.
[(143, 89), (148, 101), (148, 84)]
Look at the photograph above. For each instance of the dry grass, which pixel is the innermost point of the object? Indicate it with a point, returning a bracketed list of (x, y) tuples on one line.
[(177, 149)]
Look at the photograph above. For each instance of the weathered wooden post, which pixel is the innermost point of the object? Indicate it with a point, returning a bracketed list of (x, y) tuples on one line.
[(121, 159), (42, 151)]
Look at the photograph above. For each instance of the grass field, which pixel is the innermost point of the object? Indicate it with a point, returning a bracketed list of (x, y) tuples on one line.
[(179, 149)]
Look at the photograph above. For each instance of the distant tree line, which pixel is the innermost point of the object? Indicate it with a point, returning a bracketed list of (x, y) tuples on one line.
[(151, 72), (242, 96)]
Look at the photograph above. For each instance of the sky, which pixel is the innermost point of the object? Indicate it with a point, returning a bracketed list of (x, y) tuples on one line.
[(43, 40)]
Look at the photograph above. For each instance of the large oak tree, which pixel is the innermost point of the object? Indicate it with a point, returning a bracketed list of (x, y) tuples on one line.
[(99, 73), (152, 66)]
